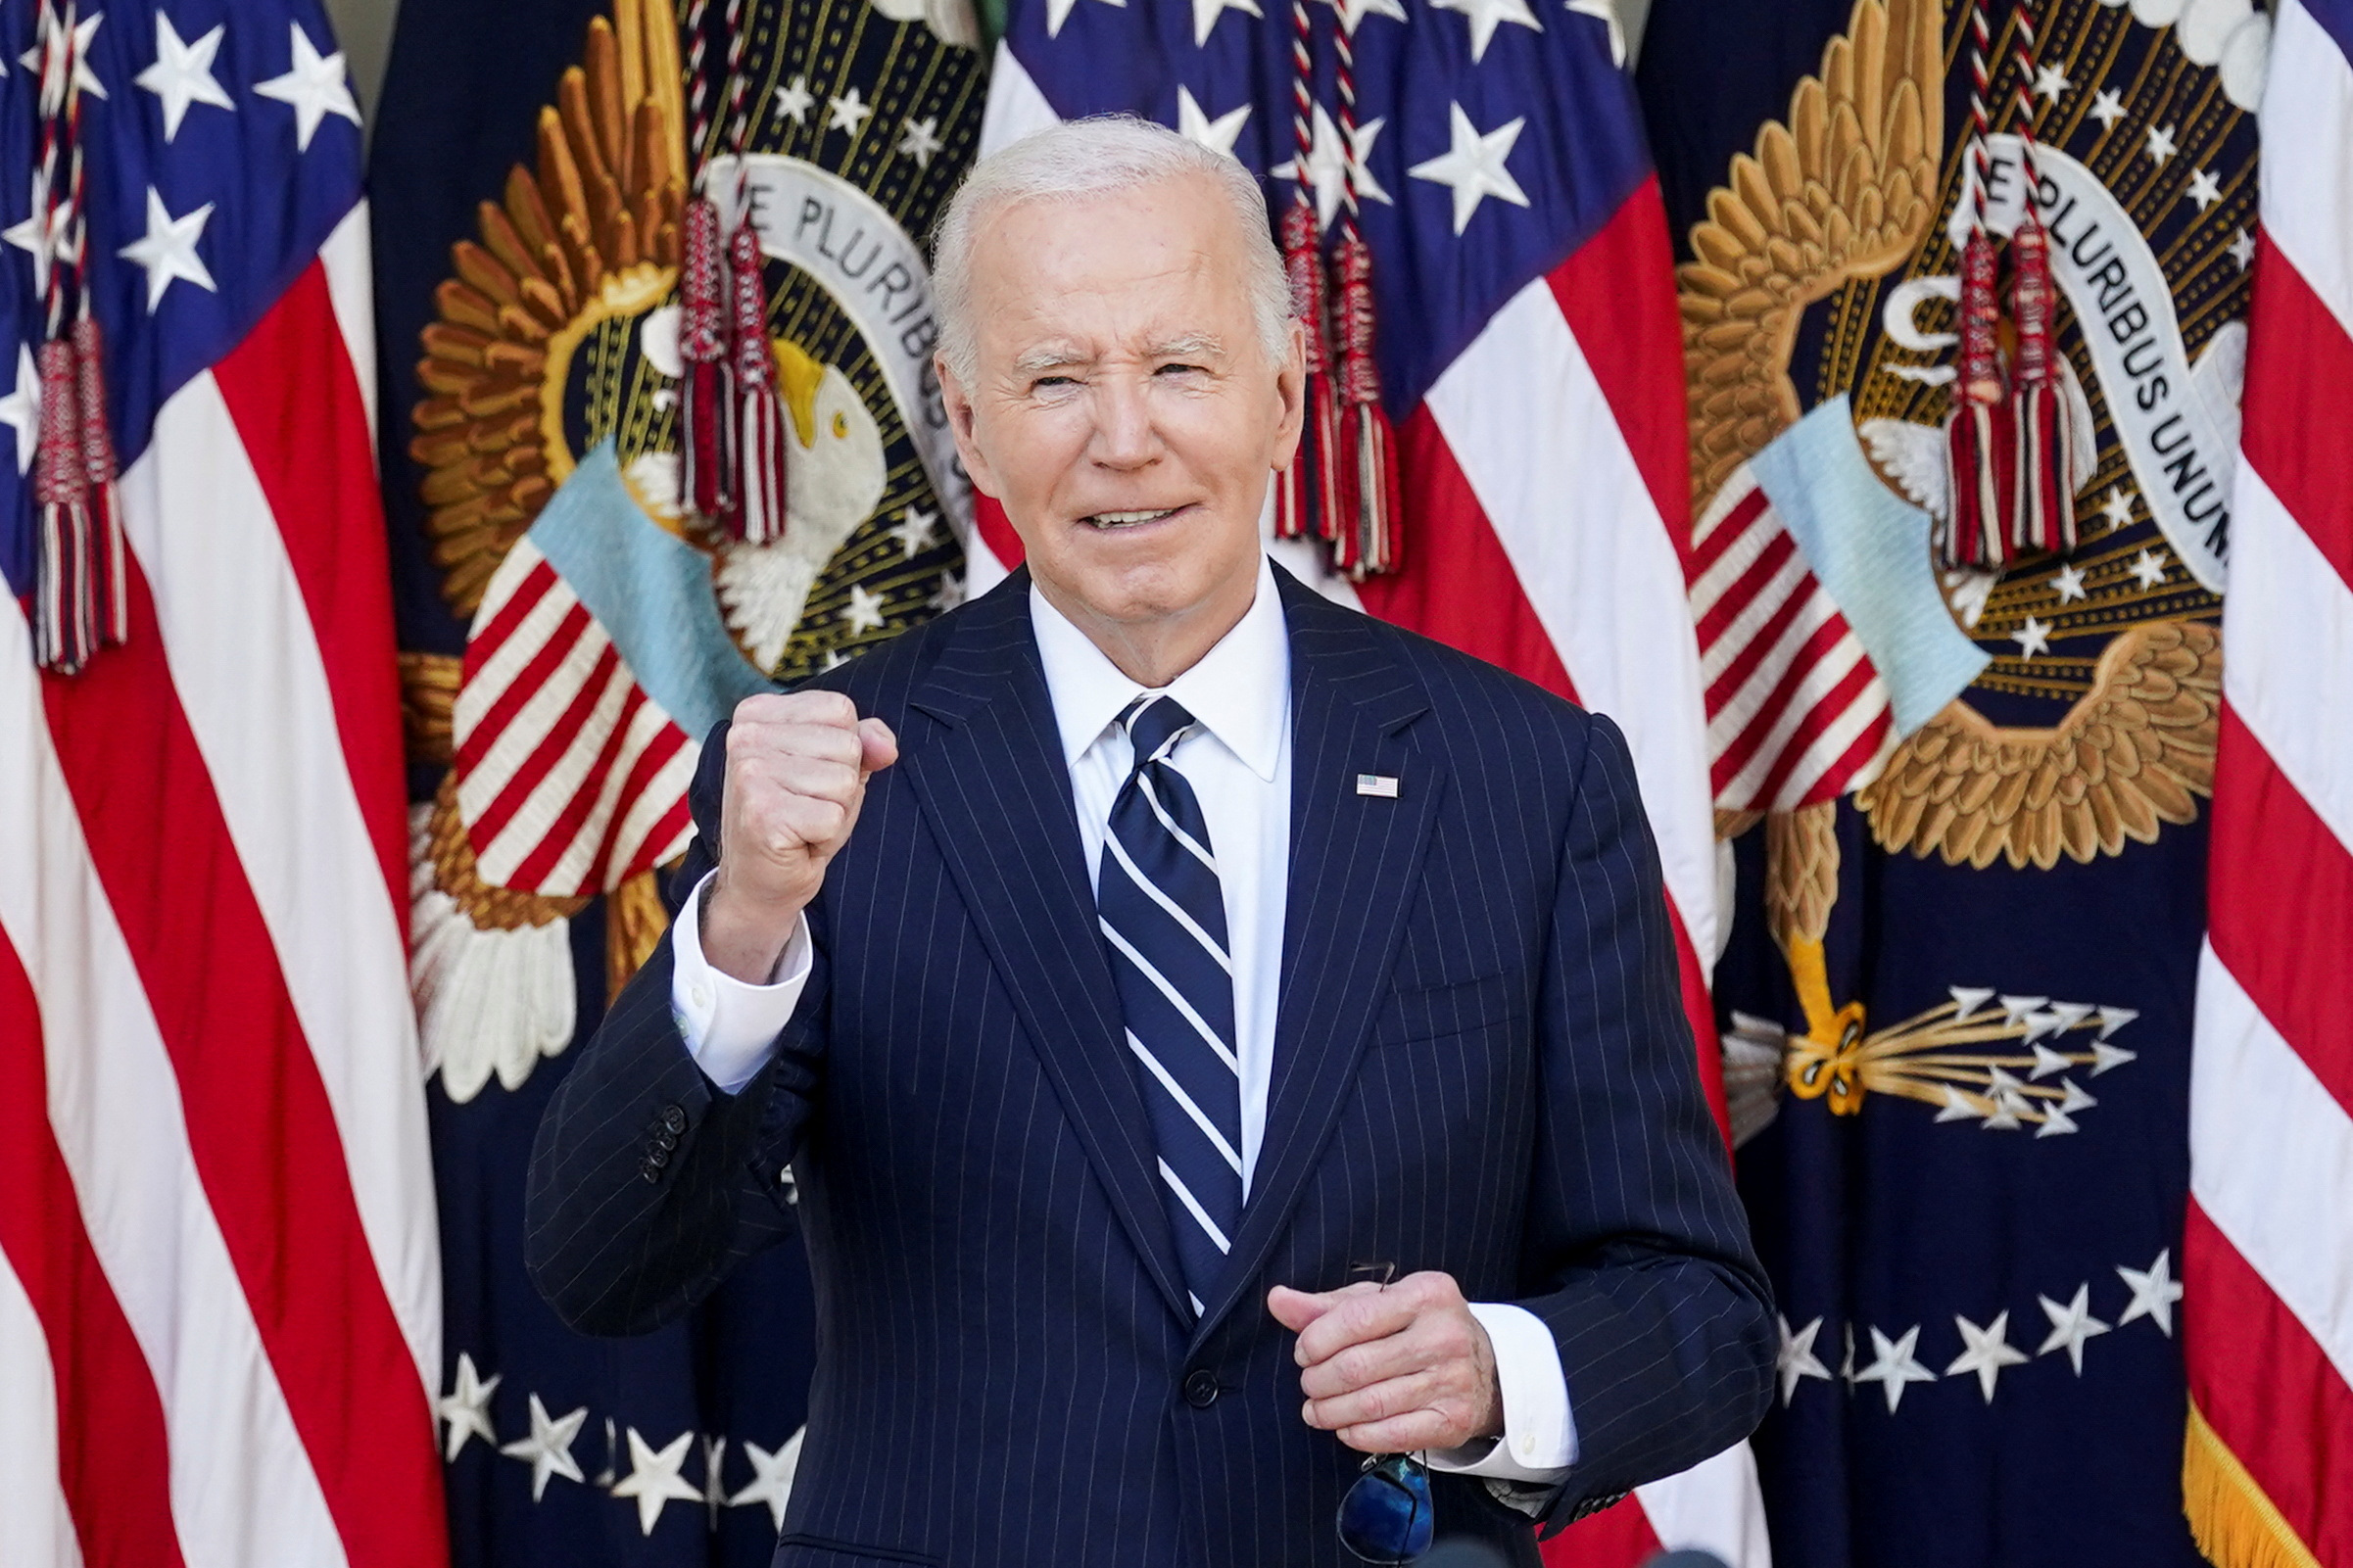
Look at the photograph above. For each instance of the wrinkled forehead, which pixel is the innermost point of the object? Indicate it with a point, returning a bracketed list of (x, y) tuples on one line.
[(1149, 264)]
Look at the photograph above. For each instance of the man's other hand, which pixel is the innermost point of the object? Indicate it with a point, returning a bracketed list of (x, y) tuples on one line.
[(796, 770), (1393, 1369)]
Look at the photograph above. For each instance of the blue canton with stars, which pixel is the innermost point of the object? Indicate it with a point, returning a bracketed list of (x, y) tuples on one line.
[(1495, 136), (221, 147)]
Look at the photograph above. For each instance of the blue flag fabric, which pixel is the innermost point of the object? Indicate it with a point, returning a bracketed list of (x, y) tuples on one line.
[(1957, 1000)]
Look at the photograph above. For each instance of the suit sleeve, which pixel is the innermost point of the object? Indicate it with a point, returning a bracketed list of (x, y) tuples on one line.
[(648, 1184), (1638, 1257)]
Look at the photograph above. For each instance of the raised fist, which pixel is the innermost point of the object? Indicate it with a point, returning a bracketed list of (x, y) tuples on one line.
[(797, 768)]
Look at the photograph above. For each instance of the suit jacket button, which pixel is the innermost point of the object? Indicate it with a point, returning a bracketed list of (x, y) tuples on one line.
[(1201, 1388), (674, 1120), (658, 1157)]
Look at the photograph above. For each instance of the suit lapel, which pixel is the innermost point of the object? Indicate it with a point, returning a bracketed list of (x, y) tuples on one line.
[(1355, 861), (993, 780)]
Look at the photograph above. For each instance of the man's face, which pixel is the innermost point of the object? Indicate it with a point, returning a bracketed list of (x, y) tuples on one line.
[(1124, 412)]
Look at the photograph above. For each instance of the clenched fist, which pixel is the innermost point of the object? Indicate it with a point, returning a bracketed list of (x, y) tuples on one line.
[(1393, 1370), (797, 768)]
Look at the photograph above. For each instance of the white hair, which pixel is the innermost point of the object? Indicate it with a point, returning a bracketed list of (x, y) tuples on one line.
[(1095, 156)]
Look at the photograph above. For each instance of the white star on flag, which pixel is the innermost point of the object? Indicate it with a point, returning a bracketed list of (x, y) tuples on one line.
[(1207, 12), (2204, 189), (316, 88), (1796, 1359), (39, 231), (21, 408), (794, 100), (466, 1407), (2117, 508), (548, 1449), (864, 612), (1474, 165), (771, 1477), (1894, 1366), (2034, 638), (1990, 1351), (2070, 1326), (915, 529), (2155, 1292), (920, 139), (1605, 11), (1326, 168), (2149, 568), (950, 594), (1218, 135), (183, 74), (2070, 584), (1488, 15), (2108, 108), (848, 112), (2161, 144), (653, 1478), (85, 80), (168, 250), (1058, 12), (2243, 249), (2051, 82)]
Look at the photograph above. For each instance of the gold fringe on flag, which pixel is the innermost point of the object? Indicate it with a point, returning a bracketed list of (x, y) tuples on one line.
[(2234, 1525)]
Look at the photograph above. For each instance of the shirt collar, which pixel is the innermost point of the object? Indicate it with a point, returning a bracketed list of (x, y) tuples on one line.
[(1240, 690)]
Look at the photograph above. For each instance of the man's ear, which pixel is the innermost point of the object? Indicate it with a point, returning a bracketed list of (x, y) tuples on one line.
[(957, 399), (1290, 387)]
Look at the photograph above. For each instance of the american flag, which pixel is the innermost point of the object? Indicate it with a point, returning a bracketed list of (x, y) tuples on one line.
[(1530, 357), (2268, 1244), (219, 1270)]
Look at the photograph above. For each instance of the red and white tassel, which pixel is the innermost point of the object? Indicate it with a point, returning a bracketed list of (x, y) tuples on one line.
[(66, 610), (2043, 508), (703, 460), (1307, 502), (98, 478), (1371, 444), (1980, 444), (759, 486)]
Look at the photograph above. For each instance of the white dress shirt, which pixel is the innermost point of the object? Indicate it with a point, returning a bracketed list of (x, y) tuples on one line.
[(1239, 760)]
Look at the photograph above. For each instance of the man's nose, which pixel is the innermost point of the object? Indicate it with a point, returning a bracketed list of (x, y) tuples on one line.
[(1125, 434)]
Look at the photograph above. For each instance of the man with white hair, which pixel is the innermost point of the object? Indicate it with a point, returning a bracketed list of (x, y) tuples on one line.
[(1229, 1048)]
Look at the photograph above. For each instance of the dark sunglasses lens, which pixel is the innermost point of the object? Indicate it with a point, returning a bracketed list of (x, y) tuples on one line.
[(1385, 1516)]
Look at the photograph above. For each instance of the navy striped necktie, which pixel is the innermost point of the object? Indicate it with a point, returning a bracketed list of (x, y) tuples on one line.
[(1164, 923)]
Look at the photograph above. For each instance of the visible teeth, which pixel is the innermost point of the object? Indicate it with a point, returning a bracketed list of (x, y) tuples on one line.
[(1116, 519)]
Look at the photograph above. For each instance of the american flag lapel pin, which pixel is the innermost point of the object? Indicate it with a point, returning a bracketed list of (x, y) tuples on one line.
[(1379, 785)]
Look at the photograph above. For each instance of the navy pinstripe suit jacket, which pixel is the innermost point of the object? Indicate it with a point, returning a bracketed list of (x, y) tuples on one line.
[(1480, 1067)]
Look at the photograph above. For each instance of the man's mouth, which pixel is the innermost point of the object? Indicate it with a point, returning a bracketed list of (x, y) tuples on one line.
[(1109, 521)]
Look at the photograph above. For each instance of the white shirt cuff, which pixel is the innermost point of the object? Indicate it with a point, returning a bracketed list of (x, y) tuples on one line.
[(731, 1027), (1540, 1438)]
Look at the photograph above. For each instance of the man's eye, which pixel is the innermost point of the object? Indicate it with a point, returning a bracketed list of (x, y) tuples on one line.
[(1044, 382), (1177, 367)]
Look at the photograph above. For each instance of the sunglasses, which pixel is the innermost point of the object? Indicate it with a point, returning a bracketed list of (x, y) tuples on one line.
[(1385, 1514)]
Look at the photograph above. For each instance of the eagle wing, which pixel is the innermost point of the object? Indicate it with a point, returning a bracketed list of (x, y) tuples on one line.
[(2134, 754), (1842, 189)]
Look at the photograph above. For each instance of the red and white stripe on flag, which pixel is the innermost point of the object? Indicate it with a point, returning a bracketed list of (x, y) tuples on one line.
[(1547, 502), (220, 1279), (2268, 1250)]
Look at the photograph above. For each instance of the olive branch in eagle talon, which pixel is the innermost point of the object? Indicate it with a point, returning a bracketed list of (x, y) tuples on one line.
[(1939, 1057)]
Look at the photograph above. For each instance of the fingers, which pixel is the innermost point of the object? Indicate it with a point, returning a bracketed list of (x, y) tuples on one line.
[(878, 747), (1367, 1312), (1295, 1309)]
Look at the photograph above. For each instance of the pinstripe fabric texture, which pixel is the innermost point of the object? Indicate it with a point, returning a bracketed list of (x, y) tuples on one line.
[(1481, 1067)]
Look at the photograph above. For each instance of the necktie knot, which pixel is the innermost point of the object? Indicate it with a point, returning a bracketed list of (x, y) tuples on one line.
[(1153, 724)]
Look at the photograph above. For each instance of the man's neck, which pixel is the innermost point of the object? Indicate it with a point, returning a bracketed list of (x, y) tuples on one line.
[(1153, 653)]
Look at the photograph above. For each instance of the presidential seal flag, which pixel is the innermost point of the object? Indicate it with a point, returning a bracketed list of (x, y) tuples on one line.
[(1494, 448), (1963, 294), (2268, 1472), (220, 1291), (663, 432)]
